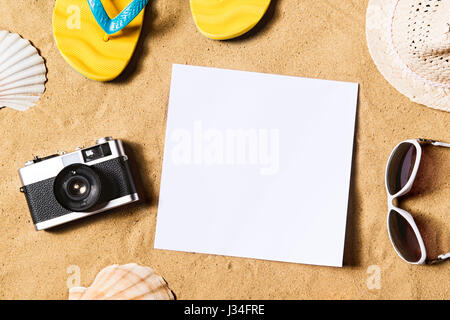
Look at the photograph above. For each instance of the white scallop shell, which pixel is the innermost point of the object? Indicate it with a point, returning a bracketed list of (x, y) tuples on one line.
[(126, 282), (22, 72)]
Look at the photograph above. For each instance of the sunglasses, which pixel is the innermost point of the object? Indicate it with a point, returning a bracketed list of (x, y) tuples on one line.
[(401, 172)]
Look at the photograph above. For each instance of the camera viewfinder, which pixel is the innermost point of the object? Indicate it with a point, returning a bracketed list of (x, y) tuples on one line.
[(96, 152)]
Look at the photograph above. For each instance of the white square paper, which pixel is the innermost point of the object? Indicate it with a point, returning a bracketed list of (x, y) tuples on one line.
[(256, 165)]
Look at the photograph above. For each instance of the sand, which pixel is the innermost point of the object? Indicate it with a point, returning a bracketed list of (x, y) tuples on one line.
[(318, 39)]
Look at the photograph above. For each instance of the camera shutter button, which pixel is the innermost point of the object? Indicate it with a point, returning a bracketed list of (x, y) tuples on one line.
[(103, 140)]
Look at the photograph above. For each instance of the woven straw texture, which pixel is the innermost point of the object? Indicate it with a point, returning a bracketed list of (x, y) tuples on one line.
[(409, 40)]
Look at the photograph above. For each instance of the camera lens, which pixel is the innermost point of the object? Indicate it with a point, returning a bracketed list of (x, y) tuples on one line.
[(77, 187)]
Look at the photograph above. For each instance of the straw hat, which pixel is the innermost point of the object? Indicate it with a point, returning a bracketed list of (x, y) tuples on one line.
[(409, 40)]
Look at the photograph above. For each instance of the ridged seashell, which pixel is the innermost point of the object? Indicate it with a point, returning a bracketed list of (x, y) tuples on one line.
[(22, 72), (126, 282)]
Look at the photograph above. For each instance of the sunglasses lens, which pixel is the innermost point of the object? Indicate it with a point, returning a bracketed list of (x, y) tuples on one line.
[(401, 167), (404, 237)]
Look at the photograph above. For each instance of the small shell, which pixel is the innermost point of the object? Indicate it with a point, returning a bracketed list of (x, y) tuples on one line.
[(126, 282), (22, 72)]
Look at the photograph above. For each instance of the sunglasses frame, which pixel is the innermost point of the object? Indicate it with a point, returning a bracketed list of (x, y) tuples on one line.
[(406, 188)]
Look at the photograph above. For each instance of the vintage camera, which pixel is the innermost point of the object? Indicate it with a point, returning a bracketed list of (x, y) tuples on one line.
[(65, 187)]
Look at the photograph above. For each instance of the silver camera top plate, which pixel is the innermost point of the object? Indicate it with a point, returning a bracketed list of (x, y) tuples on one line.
[(35, 171)]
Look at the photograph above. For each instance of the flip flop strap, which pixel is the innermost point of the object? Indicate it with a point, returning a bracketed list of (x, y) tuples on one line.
[(127, 15)]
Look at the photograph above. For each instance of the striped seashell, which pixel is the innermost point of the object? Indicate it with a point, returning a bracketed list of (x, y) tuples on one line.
[(126, 282), (22, 72)]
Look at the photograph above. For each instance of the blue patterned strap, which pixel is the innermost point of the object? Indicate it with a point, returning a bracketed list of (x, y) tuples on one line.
[(111, 26)]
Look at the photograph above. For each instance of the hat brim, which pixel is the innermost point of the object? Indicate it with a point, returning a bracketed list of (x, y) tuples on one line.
[(379, 40)]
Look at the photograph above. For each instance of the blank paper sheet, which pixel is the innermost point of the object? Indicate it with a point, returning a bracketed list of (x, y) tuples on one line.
[(256, 165)]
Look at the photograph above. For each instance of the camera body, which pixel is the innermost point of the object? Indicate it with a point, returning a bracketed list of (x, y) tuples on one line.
[(66, 187)]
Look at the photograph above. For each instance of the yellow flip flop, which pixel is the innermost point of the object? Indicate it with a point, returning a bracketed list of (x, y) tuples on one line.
[(226, 19), (91, 42)]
